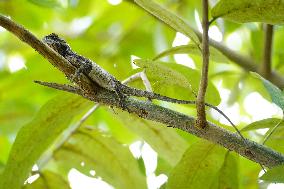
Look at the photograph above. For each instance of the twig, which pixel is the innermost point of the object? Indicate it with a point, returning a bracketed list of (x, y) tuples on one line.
[(143, 77), (62, 87), (247, 148), (200, 101), (265, 68), (212, 20), (227, 118)]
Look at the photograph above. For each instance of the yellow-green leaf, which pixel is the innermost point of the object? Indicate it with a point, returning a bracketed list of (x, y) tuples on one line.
[(274, 175), (177, 76), (48, 180), (228, 175), (198, 166), (111, 160), (47, 3), (169, 18), (275, 93), (165, 141), (262, 124), (267, 11), (35, 137)]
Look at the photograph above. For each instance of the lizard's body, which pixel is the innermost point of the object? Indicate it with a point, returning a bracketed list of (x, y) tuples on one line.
[(104, 79), (100, 75)]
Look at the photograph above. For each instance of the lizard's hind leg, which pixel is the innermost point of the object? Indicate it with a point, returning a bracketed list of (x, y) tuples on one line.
[(81, 70), (121, 98)]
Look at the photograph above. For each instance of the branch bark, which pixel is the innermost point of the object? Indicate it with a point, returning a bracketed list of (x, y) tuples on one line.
[(200, 106), (147, 110), (265, 68), (53, 57)]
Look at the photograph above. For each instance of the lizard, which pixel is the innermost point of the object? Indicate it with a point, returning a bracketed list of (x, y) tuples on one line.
[(105, 80)]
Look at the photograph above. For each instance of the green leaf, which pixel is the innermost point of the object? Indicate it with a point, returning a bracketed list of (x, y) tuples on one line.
[(177, 76), (46, 3), (165, 141), (192, 49), (2, 166), (48, 180), (163, 167), (249, 174), (111, 160), (228, 174), (274, 175), (66, 158), (35, 137), (104, 116), (5, 147), (274, 92), (262, 124), (169, 18), (276, 138), (198, 166), (268, 11)]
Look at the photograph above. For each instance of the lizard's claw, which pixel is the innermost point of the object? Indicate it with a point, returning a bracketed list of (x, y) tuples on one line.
[(121, 98), (77, 73)]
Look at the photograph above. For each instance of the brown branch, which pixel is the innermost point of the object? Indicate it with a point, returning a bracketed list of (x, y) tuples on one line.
[(200, 106), (54, 58), (247, 148), (265, 68)]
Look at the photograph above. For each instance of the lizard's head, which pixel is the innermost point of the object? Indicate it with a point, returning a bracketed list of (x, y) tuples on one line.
[(56, 43)]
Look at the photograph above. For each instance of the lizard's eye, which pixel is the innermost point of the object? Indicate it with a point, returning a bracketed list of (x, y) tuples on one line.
[(62, 48), (59, 47)]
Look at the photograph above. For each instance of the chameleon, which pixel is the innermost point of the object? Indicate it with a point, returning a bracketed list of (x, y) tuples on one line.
[(105, 80)]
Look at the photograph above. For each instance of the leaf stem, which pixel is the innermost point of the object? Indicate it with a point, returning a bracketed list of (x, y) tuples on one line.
[(273, 130)]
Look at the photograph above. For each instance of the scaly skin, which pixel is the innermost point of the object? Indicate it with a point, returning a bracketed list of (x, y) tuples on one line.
[(104, 79), (98, 74)]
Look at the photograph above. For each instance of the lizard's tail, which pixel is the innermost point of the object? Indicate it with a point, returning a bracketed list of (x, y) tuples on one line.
[(141, 93)]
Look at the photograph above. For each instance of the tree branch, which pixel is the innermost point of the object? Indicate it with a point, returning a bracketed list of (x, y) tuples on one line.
[(200, 106), (53, 57), (265, 68), (147, 110)]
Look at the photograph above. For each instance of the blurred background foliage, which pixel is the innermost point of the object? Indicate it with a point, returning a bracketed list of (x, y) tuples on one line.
[(112, 36)]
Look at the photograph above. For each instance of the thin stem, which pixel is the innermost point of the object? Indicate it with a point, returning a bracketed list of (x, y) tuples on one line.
[(200, 106), (273, 130), (212, 20), (143, 77), (267, 51)]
